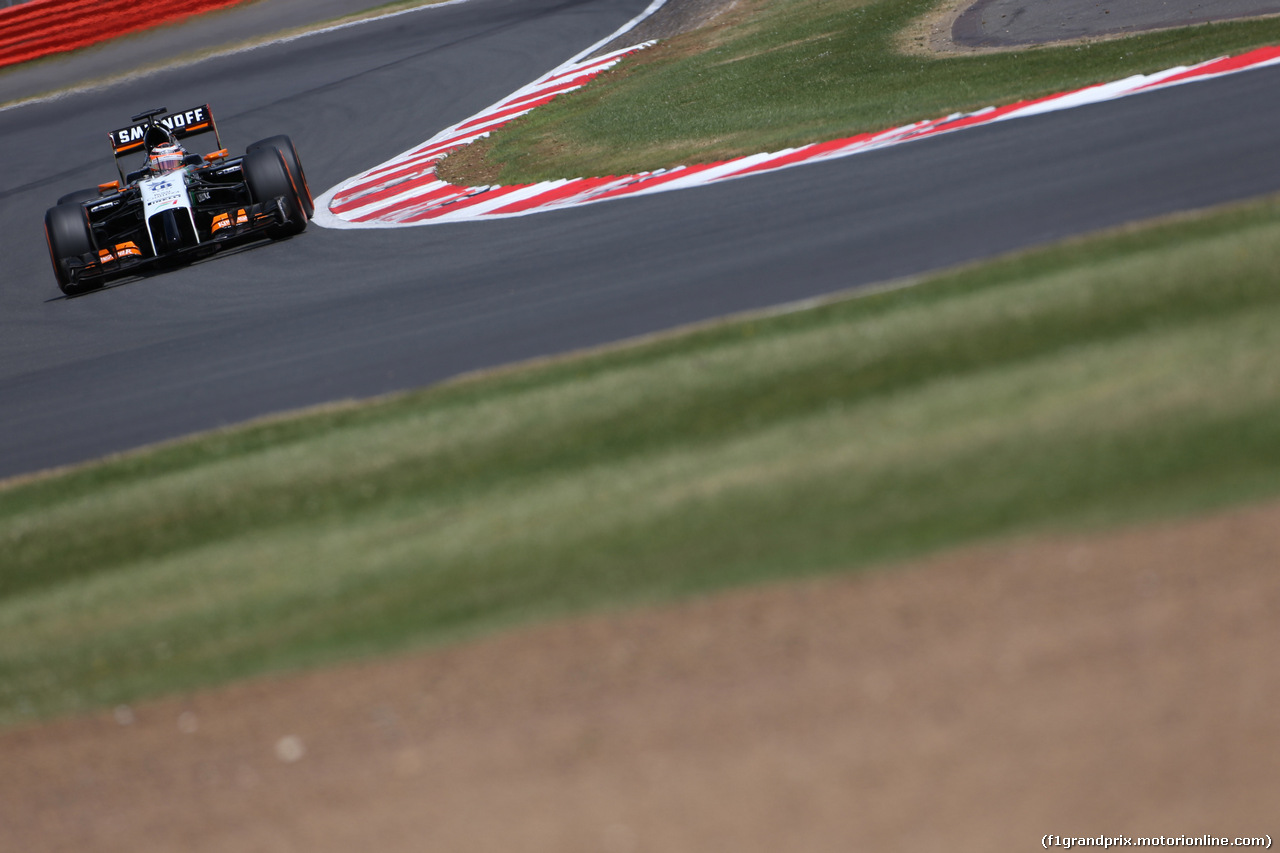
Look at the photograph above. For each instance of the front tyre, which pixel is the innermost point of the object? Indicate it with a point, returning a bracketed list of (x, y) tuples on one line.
[(66, 229), (285, 146), (268, 177), (79, 196)]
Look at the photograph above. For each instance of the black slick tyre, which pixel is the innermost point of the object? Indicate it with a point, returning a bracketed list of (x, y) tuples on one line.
[(268, 177), (79, 196), (289, 153), (66, 229)]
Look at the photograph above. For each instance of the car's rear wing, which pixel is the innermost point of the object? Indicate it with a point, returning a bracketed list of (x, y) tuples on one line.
[(182, 123)]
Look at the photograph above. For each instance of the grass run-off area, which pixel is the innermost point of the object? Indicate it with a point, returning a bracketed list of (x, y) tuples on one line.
[(770, 74), (1128, 376)]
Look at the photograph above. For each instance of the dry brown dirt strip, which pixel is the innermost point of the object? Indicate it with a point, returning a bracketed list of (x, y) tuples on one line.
[(1125, 683)]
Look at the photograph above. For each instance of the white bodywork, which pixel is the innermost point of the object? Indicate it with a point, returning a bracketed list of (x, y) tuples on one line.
[(167, 192)]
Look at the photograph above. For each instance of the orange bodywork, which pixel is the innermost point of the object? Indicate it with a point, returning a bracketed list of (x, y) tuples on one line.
[(224, 220), (119, 252)]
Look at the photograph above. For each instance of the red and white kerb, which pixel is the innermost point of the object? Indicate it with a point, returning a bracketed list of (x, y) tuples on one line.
[(405, 191)]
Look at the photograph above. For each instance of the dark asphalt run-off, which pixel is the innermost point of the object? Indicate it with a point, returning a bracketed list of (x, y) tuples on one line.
[(1007, 23)]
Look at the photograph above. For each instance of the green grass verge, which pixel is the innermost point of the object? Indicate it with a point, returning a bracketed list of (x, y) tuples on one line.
[(1129, 376), (797, 71)]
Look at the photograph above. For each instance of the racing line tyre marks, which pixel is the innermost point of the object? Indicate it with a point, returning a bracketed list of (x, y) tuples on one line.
[(405, 191)]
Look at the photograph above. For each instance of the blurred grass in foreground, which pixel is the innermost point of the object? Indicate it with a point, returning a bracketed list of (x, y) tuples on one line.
[(1122, 377)]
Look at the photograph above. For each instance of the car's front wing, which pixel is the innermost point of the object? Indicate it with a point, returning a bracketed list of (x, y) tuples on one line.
[(240, 224)]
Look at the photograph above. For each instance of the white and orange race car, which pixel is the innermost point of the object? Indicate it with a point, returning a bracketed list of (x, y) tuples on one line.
[(179, 205)]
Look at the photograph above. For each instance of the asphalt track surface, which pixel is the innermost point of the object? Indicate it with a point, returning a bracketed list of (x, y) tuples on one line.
[(997, 23), (331, 315)]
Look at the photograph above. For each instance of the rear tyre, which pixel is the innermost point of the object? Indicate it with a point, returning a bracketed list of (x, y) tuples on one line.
[(268, 177), (66, 229), (285, 146)]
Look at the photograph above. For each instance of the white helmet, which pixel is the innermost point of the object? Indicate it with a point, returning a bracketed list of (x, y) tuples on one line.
[(166, 158)]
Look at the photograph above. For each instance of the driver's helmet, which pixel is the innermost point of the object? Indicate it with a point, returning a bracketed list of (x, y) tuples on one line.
[(166, 158)]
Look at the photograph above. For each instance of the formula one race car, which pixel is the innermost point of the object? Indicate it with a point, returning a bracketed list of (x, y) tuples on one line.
[(179, 206)]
